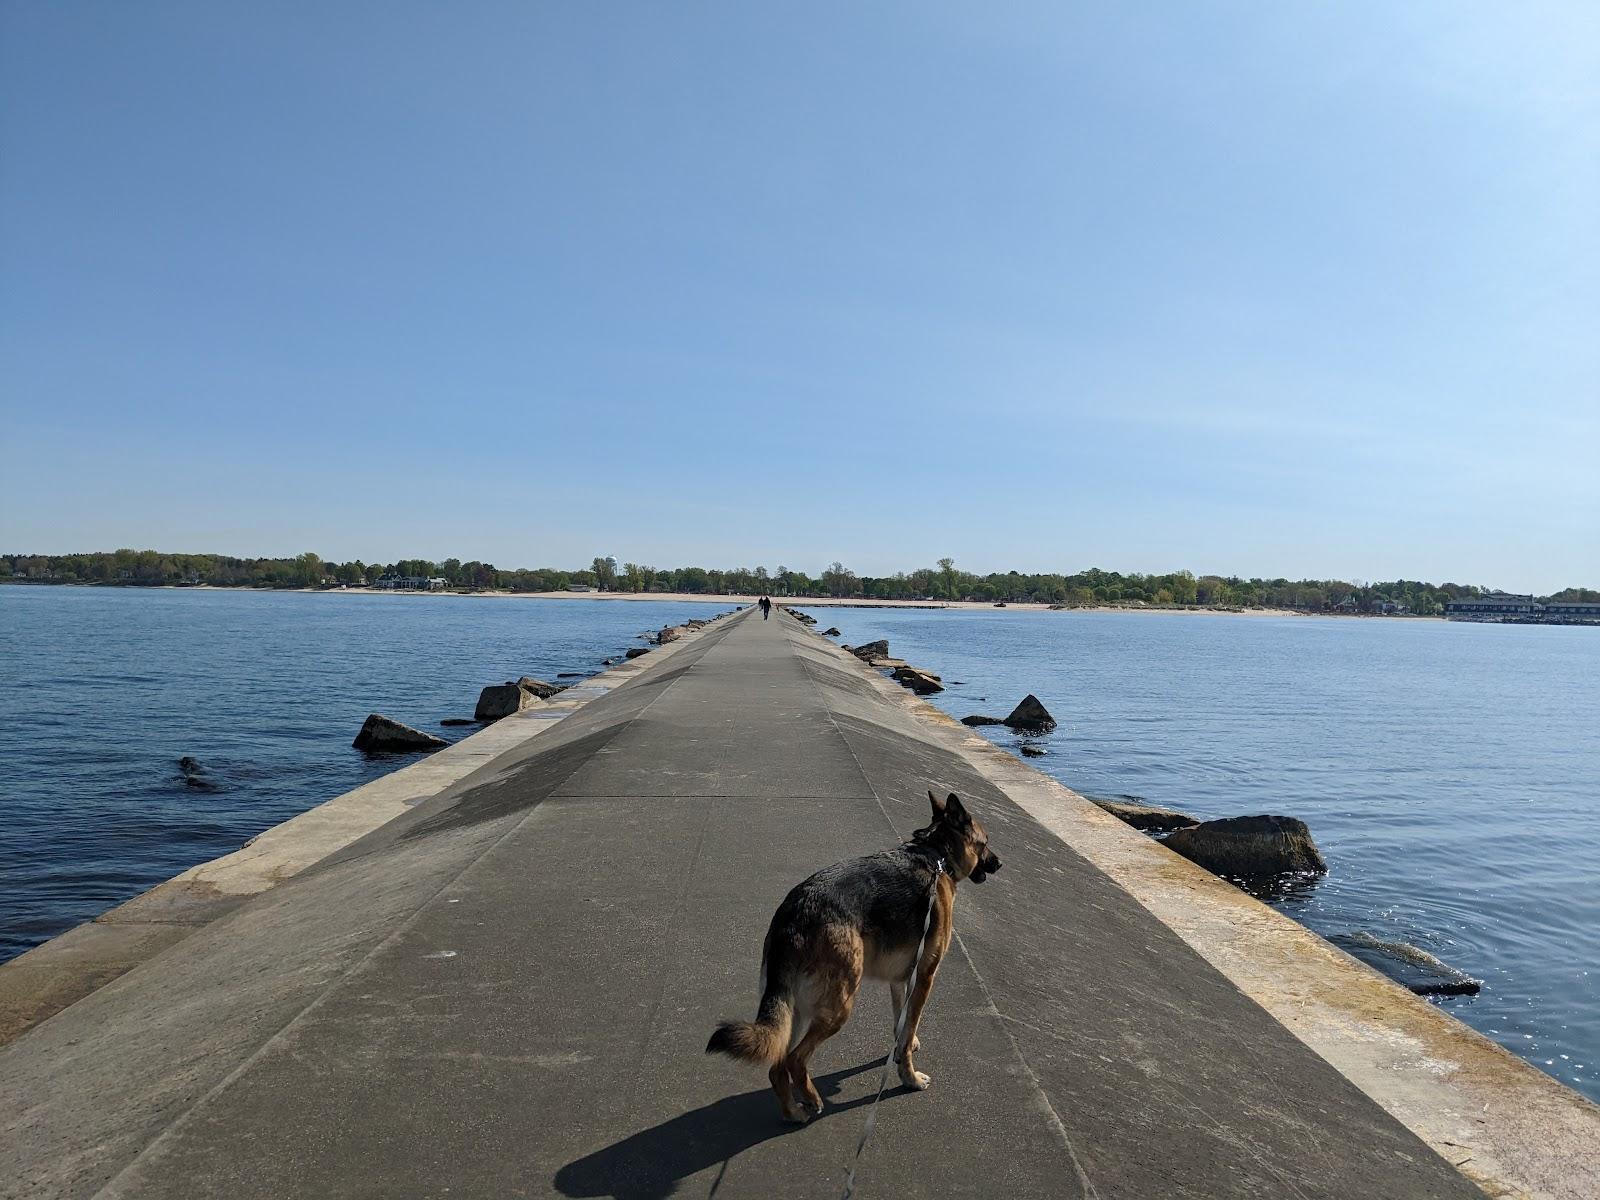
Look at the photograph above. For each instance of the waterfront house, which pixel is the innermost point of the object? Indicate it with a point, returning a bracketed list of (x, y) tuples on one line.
[(411, 583)]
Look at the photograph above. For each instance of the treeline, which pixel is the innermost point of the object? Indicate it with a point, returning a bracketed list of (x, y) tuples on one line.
[(943, 581)]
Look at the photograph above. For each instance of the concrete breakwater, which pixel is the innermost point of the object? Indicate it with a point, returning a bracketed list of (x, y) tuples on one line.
[(503, 988)]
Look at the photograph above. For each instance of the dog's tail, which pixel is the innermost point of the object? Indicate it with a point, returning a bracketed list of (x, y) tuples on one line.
[(766, 1039)]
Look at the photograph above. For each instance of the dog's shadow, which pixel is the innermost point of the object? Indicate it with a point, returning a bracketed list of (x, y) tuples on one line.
[(650, 1164)]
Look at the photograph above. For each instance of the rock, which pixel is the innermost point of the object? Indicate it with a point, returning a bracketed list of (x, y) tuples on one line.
[(670, 634), (1032, 751), (902, 667), (608, 662), (695, 623), (800, 616), (194, 775), (887, 664), (636, 651), (1146, 816), (1410, 966), (877, 649), (538, 687), (1031, 716), (831, 631), (570, 675), (380, 735), (977, 719), (1250, 847), (502, 700), (919, 682), (458, 721)]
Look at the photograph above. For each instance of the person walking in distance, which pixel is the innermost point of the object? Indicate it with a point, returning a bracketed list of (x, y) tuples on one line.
[(766, 608)]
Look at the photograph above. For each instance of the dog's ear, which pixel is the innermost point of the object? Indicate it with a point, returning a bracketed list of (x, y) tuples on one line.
[(938, 807), (955, 812)]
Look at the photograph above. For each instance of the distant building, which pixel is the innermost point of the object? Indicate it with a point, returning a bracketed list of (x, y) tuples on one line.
[(1492, 605), (411, 583), (1573, 610), (1499, 606)]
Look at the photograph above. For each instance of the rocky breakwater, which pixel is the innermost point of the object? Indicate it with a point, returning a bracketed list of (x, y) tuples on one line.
[(876, 654)]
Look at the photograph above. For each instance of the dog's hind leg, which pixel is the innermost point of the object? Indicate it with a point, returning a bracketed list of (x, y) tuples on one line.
[(897, 998), (835, 998)]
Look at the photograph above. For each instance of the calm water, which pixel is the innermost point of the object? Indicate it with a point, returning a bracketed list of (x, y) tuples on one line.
[(1451, 773), (103, 690)]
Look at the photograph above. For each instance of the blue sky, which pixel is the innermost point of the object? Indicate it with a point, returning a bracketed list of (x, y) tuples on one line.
[(1305, 289)]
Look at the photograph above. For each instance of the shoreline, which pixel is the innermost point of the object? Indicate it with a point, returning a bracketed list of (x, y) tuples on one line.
[(744, 598)]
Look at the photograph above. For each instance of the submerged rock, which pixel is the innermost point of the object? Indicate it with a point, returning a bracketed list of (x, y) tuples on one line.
[(380, 735), (194, 775), (831, 631), (1146, 816), (503, 700), (1410, 966), (977, 719), (538, 687), (1032, 751), (1250, 847), (877, 649), (1031, 716), (458, 721)]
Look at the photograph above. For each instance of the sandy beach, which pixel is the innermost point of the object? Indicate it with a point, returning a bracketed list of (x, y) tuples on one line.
[(804, 602)]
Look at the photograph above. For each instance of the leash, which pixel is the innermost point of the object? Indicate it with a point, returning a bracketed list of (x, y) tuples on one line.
[(899, 1032)]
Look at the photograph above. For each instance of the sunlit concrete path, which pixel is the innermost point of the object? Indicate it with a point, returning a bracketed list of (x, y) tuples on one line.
[(506, 992)]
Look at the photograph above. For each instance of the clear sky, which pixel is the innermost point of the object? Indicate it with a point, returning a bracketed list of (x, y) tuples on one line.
[(1300, 289)]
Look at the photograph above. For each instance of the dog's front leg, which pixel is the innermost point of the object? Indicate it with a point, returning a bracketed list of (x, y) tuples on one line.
[(897, 998), (908, 1044)]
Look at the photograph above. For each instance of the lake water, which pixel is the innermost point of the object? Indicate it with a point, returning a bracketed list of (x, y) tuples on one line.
[(1450, 772)]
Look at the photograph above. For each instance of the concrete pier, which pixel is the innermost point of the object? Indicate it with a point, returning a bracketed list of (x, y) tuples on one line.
[(505, 990)]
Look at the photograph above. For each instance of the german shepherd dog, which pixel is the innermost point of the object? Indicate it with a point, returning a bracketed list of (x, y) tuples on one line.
[(862, 918)]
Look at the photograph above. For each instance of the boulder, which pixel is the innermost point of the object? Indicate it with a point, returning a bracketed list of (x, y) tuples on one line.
[(1410, 966), (877, 649), (977, 719), (919, 682), (538, 687), (887, 664), (1146, 816), (1250, 847), (637, 651), (458, 721), (831, 631), (670, 634), (1032, 751), (380, 735), (502, 700), (901, 668), (1031, 716)]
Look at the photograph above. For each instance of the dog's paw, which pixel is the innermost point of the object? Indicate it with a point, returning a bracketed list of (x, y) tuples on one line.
[(917, 1081), (796, 1116)]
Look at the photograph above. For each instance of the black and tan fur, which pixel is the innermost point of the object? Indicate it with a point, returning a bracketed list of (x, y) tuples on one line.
[(858, 919)]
